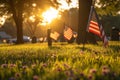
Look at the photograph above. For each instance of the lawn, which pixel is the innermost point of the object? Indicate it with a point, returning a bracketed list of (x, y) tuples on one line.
[(62, 61)]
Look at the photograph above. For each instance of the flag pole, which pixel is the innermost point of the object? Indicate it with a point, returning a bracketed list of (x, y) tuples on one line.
[(93, 3)]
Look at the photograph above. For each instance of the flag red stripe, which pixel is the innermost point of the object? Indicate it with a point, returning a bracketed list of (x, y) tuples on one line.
[(97, 32), (94, 27), (93, 22)]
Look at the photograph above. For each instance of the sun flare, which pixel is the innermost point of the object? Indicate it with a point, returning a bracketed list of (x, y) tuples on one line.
[(50, 15)]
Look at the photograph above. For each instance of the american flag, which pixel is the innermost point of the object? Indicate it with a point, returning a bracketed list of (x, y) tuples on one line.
[(54, 35), (68, 33), (94, 26)]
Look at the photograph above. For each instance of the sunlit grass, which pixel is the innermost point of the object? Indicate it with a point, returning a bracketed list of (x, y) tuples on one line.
[(62, 61)]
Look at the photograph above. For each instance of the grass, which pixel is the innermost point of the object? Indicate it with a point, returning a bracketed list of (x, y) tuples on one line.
[(62, 61)]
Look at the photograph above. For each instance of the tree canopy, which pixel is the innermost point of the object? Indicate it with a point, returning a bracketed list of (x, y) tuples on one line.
[(18, 8), (109, 11), (108, 7)]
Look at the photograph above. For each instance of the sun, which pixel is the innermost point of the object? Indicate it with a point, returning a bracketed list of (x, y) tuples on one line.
[(50, 15)]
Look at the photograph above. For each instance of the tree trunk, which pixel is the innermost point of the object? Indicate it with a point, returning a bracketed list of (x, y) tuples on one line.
[(17, 16), (19, 30), (20, 22), (84, 10)]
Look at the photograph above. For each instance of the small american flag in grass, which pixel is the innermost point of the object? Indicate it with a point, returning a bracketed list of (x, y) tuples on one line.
[(95, 27), (54, 35), (68, 33)]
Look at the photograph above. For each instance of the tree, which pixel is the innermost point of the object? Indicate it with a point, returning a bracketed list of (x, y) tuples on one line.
[(108, 7), (32, 24), (103, 7), (18, 8), (84, 10), (109, 12), (110, 21)]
